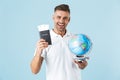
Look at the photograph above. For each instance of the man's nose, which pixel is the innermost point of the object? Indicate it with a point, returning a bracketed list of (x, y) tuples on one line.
[(61, 20)]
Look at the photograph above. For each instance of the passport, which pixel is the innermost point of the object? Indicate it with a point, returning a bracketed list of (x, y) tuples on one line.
[(44, 33)]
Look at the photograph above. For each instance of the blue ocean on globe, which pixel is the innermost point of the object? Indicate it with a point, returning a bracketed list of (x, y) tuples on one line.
[(79, 44)]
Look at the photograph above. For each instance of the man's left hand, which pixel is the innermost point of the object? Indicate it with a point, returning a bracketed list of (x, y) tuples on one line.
[(82, 64)]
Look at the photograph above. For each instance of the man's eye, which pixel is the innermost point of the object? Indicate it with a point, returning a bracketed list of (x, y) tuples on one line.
[(65, 18), (58, 17)]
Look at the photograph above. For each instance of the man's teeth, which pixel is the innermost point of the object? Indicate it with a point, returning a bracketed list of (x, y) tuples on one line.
[(61, 24)]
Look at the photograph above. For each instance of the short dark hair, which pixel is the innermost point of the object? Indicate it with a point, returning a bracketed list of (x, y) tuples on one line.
[(63, 7)]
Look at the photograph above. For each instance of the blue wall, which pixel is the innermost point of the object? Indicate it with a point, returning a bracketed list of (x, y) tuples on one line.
[(99, 19)]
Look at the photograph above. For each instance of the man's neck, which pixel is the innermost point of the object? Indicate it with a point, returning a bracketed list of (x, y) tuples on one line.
[(62, 33)]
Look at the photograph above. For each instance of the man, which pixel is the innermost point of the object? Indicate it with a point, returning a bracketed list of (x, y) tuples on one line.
[(60, 64)]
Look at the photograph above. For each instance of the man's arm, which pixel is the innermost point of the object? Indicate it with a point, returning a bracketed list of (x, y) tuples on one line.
[(37, 59), (36, 63)]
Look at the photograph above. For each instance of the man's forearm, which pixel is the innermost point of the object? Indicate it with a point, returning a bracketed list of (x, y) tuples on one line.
[(36, 64)]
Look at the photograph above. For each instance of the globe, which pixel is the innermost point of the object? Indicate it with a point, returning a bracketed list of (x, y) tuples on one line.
[(79, 44)]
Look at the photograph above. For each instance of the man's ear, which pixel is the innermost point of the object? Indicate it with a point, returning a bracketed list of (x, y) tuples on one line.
[(69, 20)]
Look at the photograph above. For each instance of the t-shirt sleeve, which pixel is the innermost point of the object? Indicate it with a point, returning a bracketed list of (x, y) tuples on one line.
[(43, 53)]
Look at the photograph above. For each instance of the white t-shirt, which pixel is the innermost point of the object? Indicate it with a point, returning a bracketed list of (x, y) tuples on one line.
[(59, 60)]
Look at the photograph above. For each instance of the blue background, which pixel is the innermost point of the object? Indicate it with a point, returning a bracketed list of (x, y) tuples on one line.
[(99, 19)]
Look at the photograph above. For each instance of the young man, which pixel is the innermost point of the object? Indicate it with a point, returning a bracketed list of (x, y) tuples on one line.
[(60, 64)]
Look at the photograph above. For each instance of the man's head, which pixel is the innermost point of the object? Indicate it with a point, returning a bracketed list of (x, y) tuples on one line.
[(61, 17), (62, 7)]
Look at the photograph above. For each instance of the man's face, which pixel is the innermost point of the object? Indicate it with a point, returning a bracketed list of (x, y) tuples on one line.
[(61, 19)]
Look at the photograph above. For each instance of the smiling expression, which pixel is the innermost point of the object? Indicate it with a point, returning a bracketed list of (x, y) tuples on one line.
[(61, 19)]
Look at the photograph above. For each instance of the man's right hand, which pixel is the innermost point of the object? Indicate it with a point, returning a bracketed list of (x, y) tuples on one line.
[(41, 44)]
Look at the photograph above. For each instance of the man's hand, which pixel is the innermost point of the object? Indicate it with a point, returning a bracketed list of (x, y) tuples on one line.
[(81, 64), (41, 44)]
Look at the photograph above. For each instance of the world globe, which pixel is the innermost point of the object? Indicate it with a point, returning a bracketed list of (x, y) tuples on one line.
[(79, 44)]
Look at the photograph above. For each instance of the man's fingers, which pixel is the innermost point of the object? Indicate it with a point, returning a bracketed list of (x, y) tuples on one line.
[(42, 40), (81, 62), (41, 44)]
